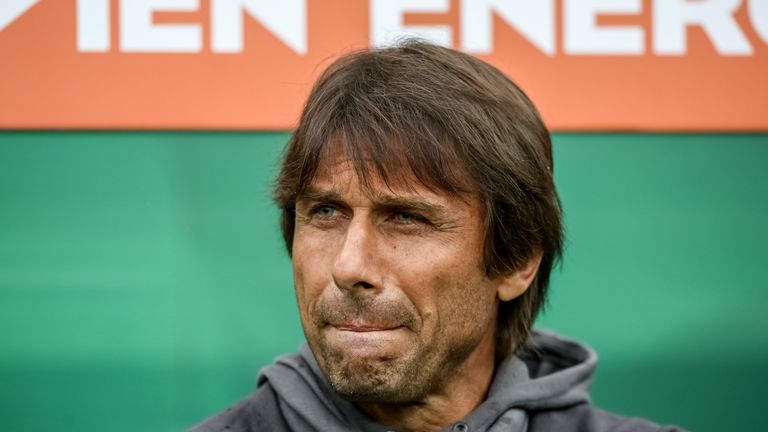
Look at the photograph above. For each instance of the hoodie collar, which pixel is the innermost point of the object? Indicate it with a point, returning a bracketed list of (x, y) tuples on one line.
[(551, 372)]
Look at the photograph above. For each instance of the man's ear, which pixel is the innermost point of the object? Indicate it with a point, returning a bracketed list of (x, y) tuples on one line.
[(516, 283)]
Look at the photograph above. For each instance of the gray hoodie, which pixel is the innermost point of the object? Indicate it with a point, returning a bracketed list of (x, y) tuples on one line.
[(545, 388), (308, 402)]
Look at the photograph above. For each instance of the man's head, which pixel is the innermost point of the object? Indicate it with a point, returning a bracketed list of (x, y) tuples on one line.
[(418, 204)]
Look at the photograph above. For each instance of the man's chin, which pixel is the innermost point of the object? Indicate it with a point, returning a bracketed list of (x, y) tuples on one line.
[(369, 385), (362, 376)]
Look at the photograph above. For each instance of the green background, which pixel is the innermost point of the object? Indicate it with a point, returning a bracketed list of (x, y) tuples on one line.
[(143, 282)]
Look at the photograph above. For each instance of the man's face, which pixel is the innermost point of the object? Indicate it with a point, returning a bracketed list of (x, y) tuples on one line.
[(390, 285)]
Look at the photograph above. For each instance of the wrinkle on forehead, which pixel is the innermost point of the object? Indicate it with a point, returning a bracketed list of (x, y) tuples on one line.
[(341, 175), (339, 179), (391, 170)]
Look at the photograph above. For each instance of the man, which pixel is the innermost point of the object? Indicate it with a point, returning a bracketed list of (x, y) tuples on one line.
[(420, 212)]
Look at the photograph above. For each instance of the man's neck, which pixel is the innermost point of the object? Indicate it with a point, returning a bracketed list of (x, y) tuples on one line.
[(466, 388)]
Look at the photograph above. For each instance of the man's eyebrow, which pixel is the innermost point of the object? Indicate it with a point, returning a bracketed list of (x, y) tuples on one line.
[(319, 195), (312, 196), (382, 201), (409, 203)]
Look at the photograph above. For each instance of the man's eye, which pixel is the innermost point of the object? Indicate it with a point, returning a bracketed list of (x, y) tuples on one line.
[(406, 218), (325, 211)]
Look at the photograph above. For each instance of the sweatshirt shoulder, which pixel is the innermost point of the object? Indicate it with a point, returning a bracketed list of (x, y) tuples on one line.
[(587, 418), (257, 412)]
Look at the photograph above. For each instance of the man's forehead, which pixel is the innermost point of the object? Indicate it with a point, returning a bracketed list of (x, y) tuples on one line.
[(334, 164), (339, 180), (339, 175)]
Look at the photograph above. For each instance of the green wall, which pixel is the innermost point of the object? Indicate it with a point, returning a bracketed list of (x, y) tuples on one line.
[(143, 283)]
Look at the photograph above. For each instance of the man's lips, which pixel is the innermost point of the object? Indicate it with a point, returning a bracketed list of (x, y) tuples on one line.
[(362, 328), (364, 341)]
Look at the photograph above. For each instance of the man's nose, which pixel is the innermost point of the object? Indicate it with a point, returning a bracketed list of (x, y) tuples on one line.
[(356, 267)]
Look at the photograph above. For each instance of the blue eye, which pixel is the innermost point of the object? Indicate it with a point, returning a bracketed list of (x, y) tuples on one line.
[(325, 211), (403, 217)]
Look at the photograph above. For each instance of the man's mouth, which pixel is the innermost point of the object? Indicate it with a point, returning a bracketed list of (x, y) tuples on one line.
[(364, 327), (361, 340)]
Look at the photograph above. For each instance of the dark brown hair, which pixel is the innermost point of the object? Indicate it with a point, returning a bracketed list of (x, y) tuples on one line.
[(458, 125)]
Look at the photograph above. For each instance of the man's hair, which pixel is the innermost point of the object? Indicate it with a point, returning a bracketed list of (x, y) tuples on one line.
[(458, 125)]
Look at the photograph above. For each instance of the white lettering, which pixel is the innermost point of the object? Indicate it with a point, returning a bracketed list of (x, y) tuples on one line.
[(533, 19), (139, 34), (758, 14), (583, 36), (387, 21), (93, 25), (10, 10), (286, 19), (672, 17)]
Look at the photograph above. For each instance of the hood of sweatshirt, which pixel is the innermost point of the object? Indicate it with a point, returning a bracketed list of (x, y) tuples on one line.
[(552, 372)]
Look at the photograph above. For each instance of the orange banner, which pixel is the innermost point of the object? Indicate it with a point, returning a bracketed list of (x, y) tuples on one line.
[(665, 65)]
